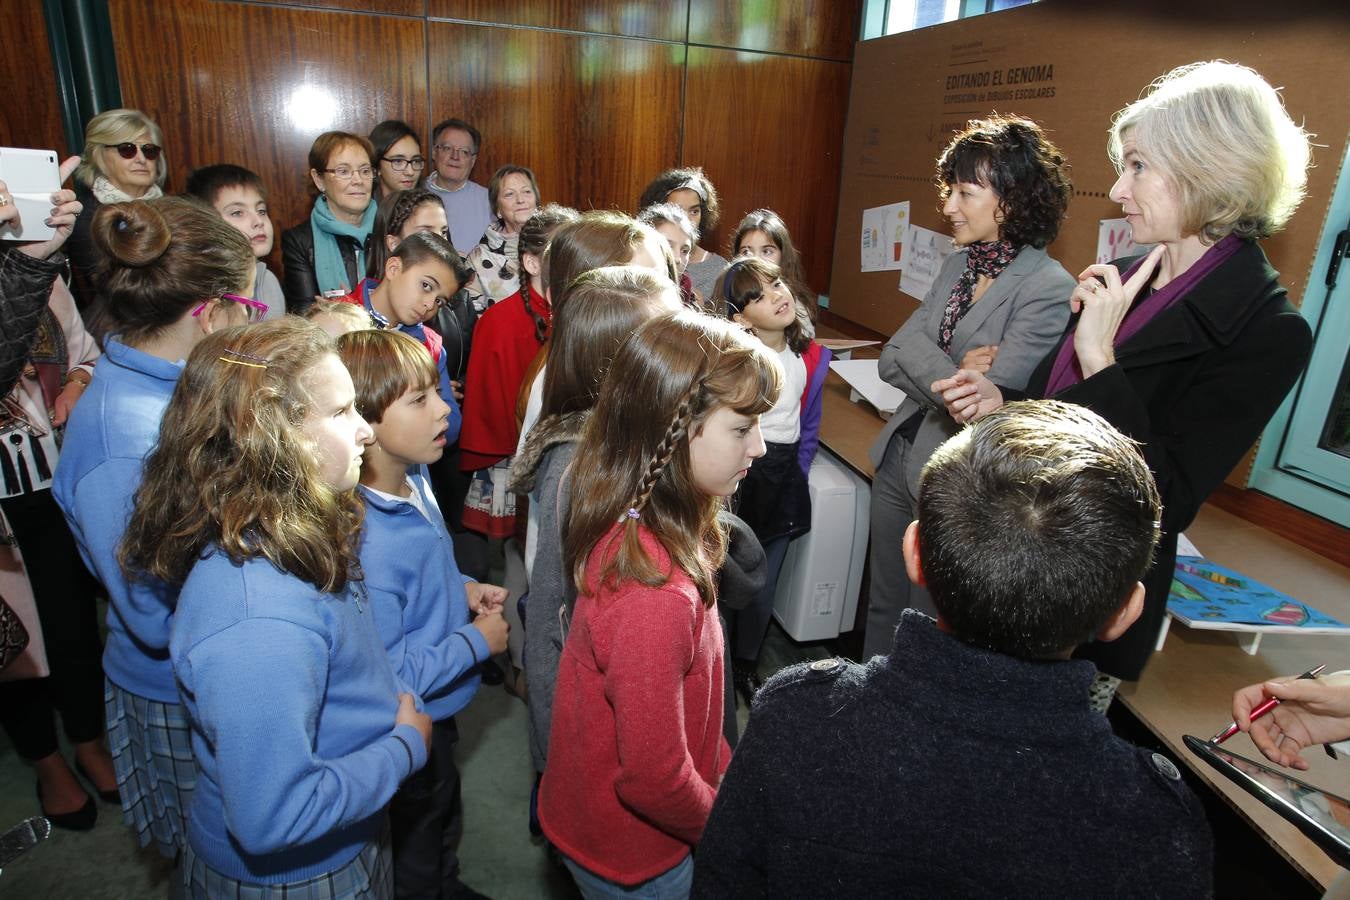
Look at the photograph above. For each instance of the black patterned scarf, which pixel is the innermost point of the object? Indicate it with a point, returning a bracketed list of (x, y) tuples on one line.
[(984, 258)]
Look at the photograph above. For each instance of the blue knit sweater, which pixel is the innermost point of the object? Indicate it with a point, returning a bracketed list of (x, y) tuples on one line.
[(292, 702), (418, 601), (111, 431)]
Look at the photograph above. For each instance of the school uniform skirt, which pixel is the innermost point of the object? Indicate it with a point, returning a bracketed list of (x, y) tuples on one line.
[(151, 747), (773, 499), (369, 876)]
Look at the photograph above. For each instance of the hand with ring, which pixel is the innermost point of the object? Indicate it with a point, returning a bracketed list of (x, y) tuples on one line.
[(65, 210), (8, 212), (1103, 301)]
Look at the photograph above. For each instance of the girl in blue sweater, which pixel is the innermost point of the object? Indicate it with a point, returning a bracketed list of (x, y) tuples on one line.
[(172, 273), (301, 730)]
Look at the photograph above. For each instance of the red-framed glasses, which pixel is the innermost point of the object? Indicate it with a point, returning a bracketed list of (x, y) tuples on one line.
[(256, 309)]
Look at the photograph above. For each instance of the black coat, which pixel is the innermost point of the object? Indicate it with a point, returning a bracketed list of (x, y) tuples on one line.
[(25, 287), (1195, 386), (81, 252), (300, 285), (945, 770)]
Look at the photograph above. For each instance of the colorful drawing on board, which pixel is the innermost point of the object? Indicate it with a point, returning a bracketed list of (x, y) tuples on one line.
[(1210, 575), (1206, 591), (1287, 614)]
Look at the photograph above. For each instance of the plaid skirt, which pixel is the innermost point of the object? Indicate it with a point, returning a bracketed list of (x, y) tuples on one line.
[(369, 876), (151, 749)]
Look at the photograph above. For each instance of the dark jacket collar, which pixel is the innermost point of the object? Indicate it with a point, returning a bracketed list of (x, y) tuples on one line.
[(1030, 702), (1212, 314)]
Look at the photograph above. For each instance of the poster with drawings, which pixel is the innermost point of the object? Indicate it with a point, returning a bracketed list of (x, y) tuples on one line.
[(924, 252), (883, 233), (1114, 241)]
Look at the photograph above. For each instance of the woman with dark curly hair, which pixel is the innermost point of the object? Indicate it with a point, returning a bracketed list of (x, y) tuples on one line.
[(691, 191), (996, 306)]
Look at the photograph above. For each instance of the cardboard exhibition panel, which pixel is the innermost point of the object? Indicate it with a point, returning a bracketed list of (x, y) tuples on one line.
[(1070, 66)]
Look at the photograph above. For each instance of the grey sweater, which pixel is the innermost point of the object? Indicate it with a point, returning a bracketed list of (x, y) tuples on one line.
[(538, 470)]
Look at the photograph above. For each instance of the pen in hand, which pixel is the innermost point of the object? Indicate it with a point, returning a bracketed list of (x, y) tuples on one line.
[(1269, 704)]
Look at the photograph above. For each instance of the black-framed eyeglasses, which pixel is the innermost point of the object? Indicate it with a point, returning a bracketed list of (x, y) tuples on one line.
[(127, 150), (400, 163)]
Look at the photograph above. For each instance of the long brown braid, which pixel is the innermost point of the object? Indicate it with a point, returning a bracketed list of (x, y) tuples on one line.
[(665, 451), (638, 485)]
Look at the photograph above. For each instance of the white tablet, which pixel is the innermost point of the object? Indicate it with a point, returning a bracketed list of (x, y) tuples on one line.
[(31, 177)]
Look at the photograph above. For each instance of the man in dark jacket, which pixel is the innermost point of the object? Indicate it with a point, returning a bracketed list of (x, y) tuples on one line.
[(968, 762)]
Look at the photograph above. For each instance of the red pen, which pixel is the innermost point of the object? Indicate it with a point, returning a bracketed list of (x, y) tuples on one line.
[(1263, 708)]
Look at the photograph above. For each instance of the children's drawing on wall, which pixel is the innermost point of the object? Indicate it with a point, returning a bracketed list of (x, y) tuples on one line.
[(883, 234), (923, 254), (1114, 241)]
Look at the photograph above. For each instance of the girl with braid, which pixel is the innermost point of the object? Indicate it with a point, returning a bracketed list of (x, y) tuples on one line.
[(636, 749)]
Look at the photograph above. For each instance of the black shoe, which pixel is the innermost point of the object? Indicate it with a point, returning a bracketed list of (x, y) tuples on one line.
[(461, 891), (492, 673), (109, 796), (746, 680), (82, 819)]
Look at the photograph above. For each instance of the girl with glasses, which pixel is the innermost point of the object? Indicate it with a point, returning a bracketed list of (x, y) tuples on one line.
[(398, 154), (168, 269), (123, 160), (325, 258)]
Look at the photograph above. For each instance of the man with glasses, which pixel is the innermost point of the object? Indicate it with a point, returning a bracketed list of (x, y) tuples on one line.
[(454, 150)]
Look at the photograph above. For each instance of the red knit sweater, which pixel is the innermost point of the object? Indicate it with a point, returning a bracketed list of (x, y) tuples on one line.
[(636, 747), (504, 345)]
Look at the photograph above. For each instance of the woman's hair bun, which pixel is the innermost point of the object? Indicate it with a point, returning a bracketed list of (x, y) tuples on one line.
[(133, 234)]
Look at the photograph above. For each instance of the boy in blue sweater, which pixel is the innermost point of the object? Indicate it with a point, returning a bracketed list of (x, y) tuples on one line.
[(418, 597)]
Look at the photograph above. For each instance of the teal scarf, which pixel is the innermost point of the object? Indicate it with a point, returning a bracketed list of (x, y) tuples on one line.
[(329, 270)]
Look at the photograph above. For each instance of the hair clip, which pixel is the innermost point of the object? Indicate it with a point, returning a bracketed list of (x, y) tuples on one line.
[(632, 513), (123, 224), (244, 359)]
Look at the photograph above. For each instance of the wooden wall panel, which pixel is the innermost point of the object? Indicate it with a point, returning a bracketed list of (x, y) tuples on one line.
[(594, 116), (254, 85), (382, 7), (768, 131), (664, 20), (31, 117), (824, 28), (596, 97)]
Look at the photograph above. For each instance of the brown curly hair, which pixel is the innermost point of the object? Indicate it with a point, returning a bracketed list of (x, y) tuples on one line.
[(234, 468), (1014, 158)]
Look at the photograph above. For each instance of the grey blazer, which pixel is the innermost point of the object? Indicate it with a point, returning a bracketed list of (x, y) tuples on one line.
[(1024, 312)]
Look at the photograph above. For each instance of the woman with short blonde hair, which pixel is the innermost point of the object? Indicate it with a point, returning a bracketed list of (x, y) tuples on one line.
[(123, 160), (1189, 349)]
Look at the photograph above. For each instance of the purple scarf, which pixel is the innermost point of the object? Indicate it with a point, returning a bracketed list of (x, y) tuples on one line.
[(1067, 372), (983, 258)]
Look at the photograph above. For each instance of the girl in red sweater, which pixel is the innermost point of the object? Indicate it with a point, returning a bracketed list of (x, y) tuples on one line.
[(636, 749)]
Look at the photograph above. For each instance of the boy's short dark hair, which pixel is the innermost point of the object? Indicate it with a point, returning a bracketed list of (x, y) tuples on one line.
[(1034, 525), (423, 246), (207, 182)]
